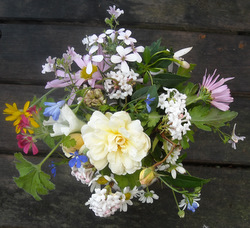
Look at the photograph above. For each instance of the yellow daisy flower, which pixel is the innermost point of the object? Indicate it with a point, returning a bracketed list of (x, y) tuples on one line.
[(15, 115)]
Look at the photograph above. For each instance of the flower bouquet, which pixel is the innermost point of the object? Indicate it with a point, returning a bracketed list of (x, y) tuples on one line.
[(127, 116)]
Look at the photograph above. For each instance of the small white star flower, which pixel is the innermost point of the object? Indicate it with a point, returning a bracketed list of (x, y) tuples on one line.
[(235, 139)]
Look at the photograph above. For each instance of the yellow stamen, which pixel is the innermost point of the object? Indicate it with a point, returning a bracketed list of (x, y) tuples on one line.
[(87, 76)]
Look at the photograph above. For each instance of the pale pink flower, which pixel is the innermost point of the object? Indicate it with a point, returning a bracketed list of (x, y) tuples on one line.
[(220, 93), (116, 12), (123, 56)]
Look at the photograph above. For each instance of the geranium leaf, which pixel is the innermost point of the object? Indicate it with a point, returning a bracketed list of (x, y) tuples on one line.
[(205, 118), (32, 179)]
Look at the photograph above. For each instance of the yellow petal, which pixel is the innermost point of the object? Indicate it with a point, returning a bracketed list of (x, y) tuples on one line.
[(26, 106)]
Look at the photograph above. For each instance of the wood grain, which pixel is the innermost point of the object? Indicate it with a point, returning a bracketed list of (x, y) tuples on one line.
[(24, 49), (220, 15)]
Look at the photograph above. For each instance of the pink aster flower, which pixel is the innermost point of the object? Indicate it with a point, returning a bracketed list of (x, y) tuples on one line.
[(219, 92)]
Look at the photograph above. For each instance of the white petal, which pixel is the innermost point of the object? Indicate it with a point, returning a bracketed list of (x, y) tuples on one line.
[(115, 59), (93, 49), (131, 58), (97, 58), (182, 52)]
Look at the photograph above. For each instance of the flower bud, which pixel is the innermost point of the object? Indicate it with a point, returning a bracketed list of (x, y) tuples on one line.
[(181, 213), (185, 64), (147, 176), (94, 98), (79, 144)]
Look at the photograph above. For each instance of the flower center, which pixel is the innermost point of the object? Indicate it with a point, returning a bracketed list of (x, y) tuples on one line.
[(84, 73), (127, 195)]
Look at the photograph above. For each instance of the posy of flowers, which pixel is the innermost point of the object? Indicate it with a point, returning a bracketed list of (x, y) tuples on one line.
[(127, 116)]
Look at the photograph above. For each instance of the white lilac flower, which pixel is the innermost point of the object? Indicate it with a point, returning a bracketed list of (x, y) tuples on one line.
[(104, 204), (82, 174), (49, 66), (148, 197), (115, 12), (121, 85), (174, 104), (123, 56), (125, 37), (115, 140), (67, 123), (235, 139), (185, 203)]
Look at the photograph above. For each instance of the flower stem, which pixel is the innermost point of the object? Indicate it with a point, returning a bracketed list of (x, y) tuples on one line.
[(49, 154), (37, 101)]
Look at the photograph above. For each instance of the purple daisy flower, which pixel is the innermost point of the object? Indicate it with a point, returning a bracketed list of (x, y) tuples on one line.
[(219, 92)]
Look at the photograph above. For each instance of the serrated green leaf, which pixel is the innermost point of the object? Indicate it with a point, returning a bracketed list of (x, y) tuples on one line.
[(32, 179), (205, 118), (153, 119), (68, 142)]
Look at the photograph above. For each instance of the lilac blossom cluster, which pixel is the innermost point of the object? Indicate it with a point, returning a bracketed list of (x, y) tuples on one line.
[(174, 104)]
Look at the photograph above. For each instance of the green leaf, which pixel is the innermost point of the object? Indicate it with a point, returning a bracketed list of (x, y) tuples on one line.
[(186, 72), (32, 179), (168, 79), (146, 55), (153, 119), (130, 180), (184, 181), (205, 118), (156, 47), (68, 142)]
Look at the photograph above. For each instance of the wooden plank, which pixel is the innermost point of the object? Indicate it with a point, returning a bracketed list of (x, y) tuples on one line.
[(217, 15), (223, 203), (208, 148), (24, 49)]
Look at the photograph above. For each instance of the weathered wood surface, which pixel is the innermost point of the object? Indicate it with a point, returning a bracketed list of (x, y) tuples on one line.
[(25, 47), (219, 32), (199, 15), (223, 203)]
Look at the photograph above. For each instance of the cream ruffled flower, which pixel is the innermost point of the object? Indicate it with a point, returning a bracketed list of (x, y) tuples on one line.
[(116, 140)]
